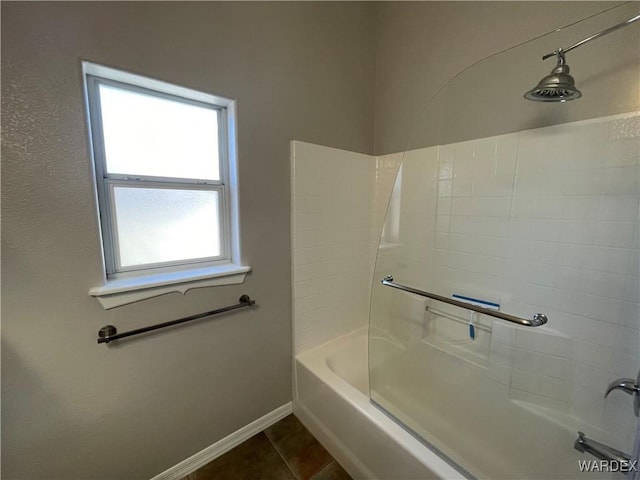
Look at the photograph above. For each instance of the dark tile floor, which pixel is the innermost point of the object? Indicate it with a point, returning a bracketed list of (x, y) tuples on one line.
[(284, 451)]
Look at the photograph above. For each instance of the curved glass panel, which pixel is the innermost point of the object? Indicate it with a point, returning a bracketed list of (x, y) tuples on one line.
[(524, 208)]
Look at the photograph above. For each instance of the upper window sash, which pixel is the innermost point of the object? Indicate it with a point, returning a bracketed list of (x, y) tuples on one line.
[(98, 130)]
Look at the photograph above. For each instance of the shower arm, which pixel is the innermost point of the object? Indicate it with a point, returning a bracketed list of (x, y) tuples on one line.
[(561, 51)]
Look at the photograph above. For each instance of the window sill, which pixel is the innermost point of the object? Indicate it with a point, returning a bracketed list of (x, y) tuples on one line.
[(116, 293)]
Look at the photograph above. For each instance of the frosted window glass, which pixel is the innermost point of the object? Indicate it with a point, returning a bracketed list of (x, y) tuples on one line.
[(165, 225), (149, 135)]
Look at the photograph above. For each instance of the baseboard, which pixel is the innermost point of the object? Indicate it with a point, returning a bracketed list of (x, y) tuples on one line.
[(212, 452)]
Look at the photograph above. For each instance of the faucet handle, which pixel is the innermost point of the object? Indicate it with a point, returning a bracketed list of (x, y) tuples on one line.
[(629, 386)]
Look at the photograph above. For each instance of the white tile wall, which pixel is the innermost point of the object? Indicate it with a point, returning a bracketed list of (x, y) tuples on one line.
[(574, 233), (545, 220), (338, 205)]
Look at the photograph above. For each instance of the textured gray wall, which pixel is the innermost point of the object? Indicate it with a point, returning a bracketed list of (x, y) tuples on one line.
[(75, 409), (422, 45)]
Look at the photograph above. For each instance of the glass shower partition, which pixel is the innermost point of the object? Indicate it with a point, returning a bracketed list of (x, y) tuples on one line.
[(522, 208)]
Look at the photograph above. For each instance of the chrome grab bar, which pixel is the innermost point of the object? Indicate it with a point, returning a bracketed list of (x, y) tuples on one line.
[(538, 319)]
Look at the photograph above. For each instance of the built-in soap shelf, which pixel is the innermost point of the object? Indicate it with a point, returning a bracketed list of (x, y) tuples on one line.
[(451, 332)]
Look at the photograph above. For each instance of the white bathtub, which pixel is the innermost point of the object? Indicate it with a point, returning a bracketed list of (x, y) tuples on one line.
[(499, 437), (331, 399)]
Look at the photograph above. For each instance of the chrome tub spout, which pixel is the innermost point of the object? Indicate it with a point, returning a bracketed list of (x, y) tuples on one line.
[(600, 450)]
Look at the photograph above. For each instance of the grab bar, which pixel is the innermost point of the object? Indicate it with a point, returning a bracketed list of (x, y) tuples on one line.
[(109, 333), (538, 318)]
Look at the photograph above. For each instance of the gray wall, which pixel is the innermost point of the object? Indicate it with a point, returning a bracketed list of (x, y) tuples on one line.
[(75, 409), (422, 45)]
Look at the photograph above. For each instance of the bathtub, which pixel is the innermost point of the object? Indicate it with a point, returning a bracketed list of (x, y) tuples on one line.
[(331, 399)]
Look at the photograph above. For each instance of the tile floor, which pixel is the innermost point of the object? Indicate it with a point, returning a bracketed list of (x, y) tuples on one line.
[(284, 451)]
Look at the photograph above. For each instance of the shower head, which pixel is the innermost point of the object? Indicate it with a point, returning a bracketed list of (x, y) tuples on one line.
[(558, 86)]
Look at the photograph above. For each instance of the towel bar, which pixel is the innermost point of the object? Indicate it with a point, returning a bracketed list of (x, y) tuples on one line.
[(109, 333)]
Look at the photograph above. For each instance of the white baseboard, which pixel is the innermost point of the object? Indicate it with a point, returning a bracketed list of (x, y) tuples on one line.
[(212, 452)]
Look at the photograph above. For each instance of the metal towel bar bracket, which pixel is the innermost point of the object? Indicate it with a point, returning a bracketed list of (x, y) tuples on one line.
[(109, 333), (538, 319)]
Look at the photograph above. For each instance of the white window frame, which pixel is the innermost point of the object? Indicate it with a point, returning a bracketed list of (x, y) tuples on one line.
[(133, 283)]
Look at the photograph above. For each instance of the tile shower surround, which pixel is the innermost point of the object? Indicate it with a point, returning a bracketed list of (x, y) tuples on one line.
[(338, 206), (541, 220)]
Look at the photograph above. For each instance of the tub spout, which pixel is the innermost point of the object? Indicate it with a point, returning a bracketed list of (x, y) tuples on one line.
[(600, 450)]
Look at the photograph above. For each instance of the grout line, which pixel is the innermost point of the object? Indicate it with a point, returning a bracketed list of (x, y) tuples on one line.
[(275, 447), (315, 475), (287, 463)]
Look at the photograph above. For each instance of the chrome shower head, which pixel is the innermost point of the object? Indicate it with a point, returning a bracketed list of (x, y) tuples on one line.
[(558, 86)]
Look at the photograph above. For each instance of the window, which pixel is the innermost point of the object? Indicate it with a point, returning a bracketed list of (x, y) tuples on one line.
[(166, 182)]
